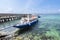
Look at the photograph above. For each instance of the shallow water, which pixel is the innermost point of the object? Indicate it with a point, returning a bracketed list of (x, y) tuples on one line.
[(7, 26), (47, 28)]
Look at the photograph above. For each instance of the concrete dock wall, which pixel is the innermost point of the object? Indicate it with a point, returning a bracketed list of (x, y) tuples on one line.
[(10, 17)]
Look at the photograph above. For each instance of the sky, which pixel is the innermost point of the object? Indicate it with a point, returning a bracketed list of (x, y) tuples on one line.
[(30, 6)]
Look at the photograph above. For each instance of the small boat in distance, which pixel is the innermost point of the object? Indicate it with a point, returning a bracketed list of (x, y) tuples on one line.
[(27, 21)]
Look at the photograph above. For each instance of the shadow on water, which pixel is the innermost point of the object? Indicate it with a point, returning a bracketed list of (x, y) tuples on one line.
[(27, 29), (34, 28)]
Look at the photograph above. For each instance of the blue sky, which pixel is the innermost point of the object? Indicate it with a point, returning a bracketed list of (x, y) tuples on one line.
[(30, 6)]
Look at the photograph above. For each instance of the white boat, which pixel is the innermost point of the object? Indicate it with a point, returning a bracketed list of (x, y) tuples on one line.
[(26, 22)]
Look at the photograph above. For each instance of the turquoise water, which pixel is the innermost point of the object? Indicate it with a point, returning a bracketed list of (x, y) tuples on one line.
[(7, 26), (48, 28)]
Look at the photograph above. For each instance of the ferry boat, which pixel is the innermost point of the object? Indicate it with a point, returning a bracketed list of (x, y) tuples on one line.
[(27, 22)]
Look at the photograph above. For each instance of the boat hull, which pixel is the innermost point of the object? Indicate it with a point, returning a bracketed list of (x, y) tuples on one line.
[(26, 25)]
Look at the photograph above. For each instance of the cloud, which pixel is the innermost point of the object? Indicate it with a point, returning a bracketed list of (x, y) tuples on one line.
[(59, 10), (28, 6), (6, 10), (9, 10)]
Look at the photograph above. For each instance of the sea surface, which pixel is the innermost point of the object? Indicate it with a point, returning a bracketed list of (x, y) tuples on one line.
[(47, 28)]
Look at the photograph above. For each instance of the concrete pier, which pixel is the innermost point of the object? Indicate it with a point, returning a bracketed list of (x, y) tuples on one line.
[(10, 17), (7, 18), (9, 30)]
